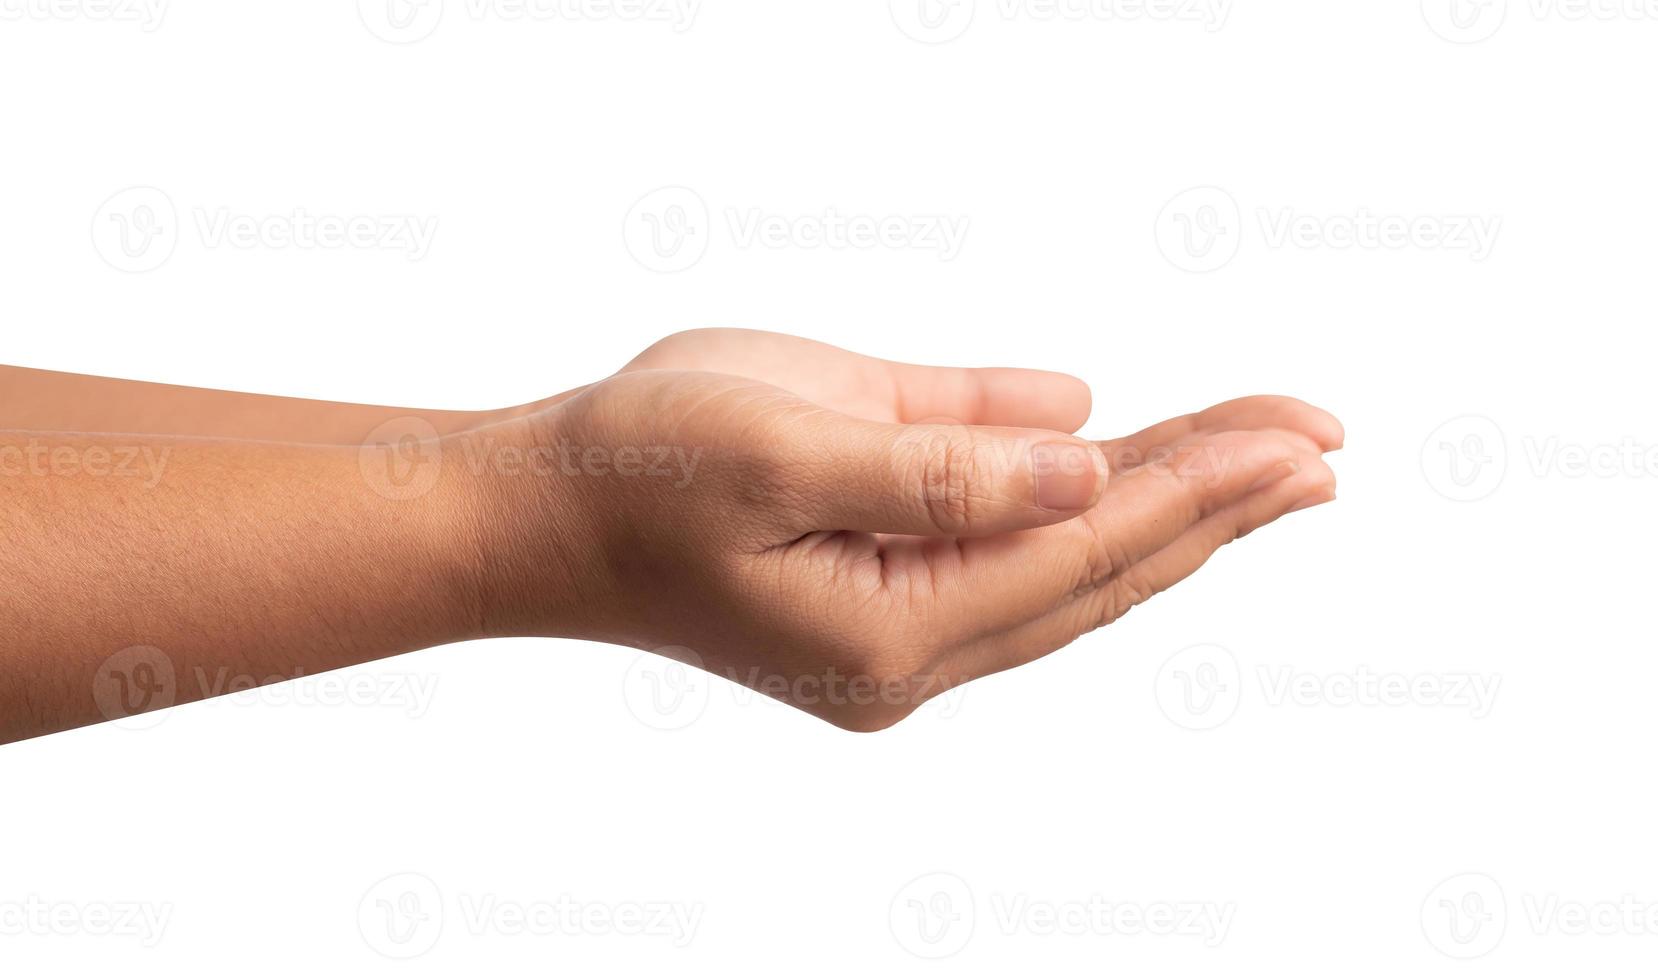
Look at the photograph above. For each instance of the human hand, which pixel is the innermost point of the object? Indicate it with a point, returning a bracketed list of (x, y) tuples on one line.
[(825, 552), (873, 388), (849, 535)]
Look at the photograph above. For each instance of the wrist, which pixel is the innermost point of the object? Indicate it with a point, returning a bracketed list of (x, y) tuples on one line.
[(513, 513)]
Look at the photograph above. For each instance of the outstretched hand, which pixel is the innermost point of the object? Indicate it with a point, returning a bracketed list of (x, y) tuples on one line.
[(856, 536), (850, 535)]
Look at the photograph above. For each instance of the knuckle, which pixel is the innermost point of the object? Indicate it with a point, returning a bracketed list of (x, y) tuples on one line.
[(1129, 590), (946, 475), (1107, 557)]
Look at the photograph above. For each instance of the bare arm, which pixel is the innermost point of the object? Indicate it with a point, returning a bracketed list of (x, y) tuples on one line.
[(32, 400), (849, 553), (139, 572)]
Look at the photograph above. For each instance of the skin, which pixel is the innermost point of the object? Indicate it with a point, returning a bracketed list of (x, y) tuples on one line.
[(851, 535)]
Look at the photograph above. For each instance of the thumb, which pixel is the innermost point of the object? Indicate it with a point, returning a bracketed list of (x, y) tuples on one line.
[(946, 479)]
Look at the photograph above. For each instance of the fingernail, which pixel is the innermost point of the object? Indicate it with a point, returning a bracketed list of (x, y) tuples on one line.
[(1282, 471), (1322, 497), (1069, 475)]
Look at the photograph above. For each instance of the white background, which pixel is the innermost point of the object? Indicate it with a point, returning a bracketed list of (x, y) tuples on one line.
[(514, 776)]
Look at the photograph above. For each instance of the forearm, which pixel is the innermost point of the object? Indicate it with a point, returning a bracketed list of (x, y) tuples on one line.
[(217, 558), (50, 401), (894, 529)]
